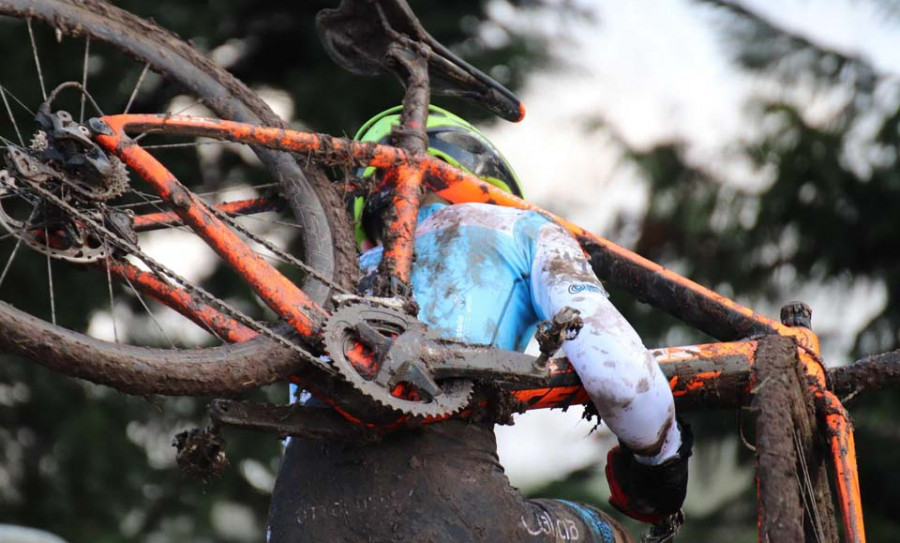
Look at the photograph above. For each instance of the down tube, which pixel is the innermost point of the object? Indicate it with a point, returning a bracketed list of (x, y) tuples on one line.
[(846, 476), (708, 376)]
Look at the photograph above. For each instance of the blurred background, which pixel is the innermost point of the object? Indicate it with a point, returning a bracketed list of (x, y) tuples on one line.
[(751, 146)]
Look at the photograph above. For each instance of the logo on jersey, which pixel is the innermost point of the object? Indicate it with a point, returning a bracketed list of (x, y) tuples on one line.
[(581, 287)]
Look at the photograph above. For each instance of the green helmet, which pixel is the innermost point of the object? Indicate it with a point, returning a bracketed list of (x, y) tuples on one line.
[(451, 139)]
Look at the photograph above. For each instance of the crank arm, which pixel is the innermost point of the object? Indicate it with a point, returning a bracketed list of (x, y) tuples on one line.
[(489, 364), (442, 359)]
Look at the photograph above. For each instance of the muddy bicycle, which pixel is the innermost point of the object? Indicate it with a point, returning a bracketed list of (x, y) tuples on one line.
[(89, 189)]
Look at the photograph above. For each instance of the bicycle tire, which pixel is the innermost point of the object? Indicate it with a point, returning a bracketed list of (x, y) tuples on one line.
[(795, 502), (317, 209)]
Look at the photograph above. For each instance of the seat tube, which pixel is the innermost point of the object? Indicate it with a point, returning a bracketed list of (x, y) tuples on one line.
[(395, 269)]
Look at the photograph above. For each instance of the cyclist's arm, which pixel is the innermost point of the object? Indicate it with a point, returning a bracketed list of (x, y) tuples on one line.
[(619, 374)]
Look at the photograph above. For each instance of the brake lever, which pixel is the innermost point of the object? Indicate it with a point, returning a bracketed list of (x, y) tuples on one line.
[(665, 530), (358, 44)]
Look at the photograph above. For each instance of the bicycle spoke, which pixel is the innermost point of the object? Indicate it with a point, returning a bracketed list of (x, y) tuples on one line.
[(15, 250), (150, 314), (9, 261), (137, 87), (84, 76), (12, 117), (272, 221), (153, 199), (18, 102), (187, 107), (50, 276), (112, 302), (806, 489), (143, 135), (37, 60), (155, 204)]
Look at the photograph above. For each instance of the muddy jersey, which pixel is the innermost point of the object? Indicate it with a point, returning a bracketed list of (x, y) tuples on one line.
[(487, 274), (482, 274)]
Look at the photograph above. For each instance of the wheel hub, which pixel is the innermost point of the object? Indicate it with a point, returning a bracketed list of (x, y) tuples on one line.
[(64, 161)]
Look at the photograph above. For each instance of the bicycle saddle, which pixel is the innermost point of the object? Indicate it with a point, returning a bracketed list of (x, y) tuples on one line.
[(358, 34)]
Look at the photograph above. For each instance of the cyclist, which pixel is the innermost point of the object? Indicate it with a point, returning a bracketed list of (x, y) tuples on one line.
[(487, 274)]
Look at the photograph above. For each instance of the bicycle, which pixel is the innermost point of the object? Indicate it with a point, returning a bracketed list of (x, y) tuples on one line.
[(57, 199)]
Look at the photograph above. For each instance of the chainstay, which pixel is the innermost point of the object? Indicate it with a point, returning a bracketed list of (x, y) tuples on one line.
[(194, 290)]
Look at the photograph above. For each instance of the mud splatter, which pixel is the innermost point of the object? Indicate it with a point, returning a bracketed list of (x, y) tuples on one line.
[(642, 386), (654, 448)]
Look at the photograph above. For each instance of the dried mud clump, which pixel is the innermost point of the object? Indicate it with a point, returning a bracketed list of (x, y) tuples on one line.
[(200, 453)]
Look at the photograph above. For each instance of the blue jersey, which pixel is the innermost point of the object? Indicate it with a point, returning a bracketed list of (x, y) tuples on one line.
[(472, 273), (487, 275)]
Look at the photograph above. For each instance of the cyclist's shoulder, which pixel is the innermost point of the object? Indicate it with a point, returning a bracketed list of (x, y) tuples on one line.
[(493, 217)]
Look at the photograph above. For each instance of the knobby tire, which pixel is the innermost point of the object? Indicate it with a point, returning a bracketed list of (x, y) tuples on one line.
[(326, 241), (795, 502)]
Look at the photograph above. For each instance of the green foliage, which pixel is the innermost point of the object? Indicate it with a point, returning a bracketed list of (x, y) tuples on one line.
[(822, 218)]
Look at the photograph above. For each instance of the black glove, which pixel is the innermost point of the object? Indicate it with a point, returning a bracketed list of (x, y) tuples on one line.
[(649, 493)]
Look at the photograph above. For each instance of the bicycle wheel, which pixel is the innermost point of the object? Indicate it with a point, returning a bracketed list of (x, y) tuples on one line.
[(795, 500), (86, 324)]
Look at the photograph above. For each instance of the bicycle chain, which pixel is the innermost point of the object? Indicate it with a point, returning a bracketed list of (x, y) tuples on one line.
[(224, 217), (456, 392), (192, 289)]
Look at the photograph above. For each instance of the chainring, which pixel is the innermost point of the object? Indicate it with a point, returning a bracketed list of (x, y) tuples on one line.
[(343, 340)]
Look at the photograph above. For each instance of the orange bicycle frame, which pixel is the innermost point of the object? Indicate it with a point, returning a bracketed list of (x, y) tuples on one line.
[(700, 307)]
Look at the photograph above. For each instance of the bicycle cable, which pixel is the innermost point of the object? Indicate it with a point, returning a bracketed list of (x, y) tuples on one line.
[(806, 489)]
